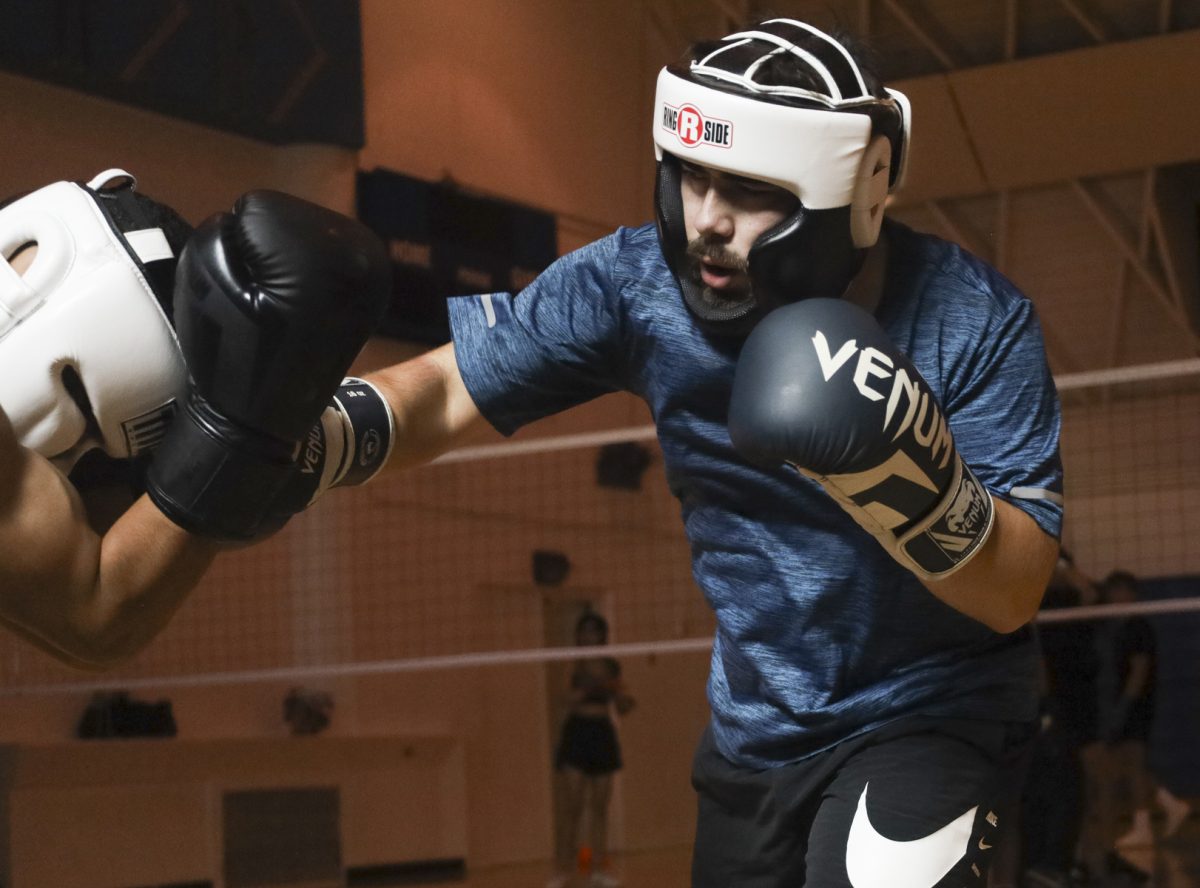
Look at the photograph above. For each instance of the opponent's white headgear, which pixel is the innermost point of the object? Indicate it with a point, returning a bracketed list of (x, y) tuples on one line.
[(88, 356), (839, 149)]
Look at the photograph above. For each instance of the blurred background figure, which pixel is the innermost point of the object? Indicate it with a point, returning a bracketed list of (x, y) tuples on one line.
[(1116, 763), (588, 755), (1054, 801), (1127, 703), (307, 712)]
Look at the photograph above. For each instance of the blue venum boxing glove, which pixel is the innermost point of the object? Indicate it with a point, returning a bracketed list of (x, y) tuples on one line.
[(821, 386), (272, 303)]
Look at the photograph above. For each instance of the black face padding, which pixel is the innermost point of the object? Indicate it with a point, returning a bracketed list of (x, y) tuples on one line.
[(672, 236), (809, 254)]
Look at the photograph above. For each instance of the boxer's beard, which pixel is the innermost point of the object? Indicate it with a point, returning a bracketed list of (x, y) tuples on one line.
[(718, 300)]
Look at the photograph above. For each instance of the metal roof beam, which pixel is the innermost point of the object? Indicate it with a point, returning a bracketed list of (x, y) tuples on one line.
[(959, 231), (1011, 20), (1089, 24), (1165, 10), (1038, 121), (906, 17), (1112, 225)]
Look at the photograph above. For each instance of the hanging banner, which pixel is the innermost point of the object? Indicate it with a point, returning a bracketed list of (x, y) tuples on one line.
[(282, 71), (445, 241)]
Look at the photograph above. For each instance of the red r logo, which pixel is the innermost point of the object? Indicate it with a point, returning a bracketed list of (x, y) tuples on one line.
[(691, 125)]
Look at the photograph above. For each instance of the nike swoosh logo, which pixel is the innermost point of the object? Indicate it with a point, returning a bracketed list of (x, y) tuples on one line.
[(875, 861), (983, 845)]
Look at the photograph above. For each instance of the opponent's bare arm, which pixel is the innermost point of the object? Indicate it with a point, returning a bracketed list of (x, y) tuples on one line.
[(433, 410), (88, 600)]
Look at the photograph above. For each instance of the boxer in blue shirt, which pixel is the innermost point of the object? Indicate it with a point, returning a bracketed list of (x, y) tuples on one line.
[(818, 377)]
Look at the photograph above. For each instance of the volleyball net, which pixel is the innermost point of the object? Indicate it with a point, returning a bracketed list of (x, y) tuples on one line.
[(490, 554)]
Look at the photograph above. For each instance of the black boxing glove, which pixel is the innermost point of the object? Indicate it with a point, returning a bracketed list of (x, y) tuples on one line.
[(272, 303), (821, 386)]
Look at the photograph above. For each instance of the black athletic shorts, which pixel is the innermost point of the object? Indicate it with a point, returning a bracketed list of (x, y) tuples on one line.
[(916, 804), (589, 745)]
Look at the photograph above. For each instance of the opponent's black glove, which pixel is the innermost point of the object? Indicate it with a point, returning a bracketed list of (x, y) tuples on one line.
[(272, 303)]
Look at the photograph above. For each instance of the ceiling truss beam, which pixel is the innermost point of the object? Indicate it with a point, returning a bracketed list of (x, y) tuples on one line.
[(1086, 21), (1114, 227), (1165, 10), (1011, 24), (960, 231), (905, 16)]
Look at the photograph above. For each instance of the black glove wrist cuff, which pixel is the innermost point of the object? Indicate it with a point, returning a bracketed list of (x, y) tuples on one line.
[(370, 431), (957, 527), (216, 478)]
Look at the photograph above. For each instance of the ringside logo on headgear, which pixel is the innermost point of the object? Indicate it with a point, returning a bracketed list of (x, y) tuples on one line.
[(693, 128)]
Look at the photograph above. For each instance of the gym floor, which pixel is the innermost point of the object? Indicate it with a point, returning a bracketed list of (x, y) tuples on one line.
[(1174, 864)]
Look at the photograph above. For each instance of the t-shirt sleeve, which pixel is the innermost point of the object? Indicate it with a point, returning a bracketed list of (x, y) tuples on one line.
[(554, 345), (1006, 418)]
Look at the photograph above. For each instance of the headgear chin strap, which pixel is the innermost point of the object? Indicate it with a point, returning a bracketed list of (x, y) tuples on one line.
[(839, 151)]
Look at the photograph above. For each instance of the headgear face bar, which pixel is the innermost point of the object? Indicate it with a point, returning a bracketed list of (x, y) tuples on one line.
[(839, 151)]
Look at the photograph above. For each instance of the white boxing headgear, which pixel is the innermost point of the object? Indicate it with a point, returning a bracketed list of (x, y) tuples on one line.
[(88, 355), (838, 147)]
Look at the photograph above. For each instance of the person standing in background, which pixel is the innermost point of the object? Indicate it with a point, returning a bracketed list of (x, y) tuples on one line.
[(1127, 691), (589, 754), (1053, 805)]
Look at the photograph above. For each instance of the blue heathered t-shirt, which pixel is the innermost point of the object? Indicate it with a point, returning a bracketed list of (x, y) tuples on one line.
[(820, 634)]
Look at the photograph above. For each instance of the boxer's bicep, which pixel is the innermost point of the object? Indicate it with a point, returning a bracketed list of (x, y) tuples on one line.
[(44, 532), (434, 411), (463, 418), (49, 556), (86, 600)]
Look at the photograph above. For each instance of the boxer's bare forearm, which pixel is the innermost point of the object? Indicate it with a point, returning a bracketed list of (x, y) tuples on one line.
[(89, 601), (433, 410), (147, 567), (1003, 584)]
